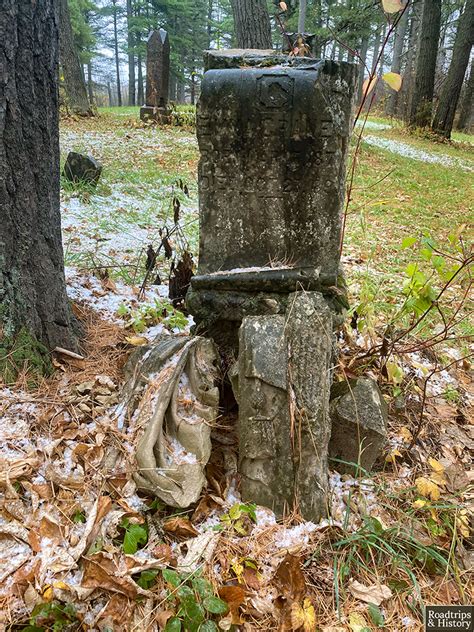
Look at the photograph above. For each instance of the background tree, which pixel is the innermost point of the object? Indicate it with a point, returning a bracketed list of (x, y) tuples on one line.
[(466, 111), (448, 101), (32, 285), (423, 89), (74, 83), (252, 24)]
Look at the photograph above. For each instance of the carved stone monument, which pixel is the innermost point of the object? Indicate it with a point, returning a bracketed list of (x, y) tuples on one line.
[(273, 133), (157, 78)]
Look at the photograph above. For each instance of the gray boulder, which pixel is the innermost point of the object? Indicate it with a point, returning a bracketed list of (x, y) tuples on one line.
[(82, 168), (359, 424)]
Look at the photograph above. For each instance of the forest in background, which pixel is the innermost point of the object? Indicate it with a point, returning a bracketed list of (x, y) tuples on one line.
[(430, 49)]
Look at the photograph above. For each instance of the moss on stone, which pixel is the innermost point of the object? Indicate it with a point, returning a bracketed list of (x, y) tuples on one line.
[(23, 353)]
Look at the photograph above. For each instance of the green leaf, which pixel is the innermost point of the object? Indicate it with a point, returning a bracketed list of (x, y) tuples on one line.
[(208, 626), (202, 587), (135, 534), (147, 578), (235, 511), (376, 615), (185, 594), (195, 612), (408, 242), (215, 605), (173, 625), (171, 577)]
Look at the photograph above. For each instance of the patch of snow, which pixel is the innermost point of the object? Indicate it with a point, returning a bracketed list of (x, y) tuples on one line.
[(373, 125), (408, 151)]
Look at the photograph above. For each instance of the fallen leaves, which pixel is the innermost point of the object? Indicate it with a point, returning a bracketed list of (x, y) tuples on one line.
[(375, 593), (182, 528)]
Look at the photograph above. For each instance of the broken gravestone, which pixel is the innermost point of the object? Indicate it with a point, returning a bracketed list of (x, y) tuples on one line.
[(157, 78), (359, 425), (171, 404), (270, 211), (282, 385), (82, 168), (273, 133)]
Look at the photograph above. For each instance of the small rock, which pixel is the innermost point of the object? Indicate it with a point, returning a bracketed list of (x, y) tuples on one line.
[(82, 168), (359, 424)]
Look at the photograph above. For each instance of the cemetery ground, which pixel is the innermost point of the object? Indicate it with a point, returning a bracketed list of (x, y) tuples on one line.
[(396, 538)]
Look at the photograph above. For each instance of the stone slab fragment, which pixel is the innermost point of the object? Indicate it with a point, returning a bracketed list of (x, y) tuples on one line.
[(82, 168), (284, 373), (359, 424)]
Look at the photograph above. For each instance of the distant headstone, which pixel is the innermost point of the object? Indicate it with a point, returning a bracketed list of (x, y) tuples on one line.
[(82, 168), (157, 78)]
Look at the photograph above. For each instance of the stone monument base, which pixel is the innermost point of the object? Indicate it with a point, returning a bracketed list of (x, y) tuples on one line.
[(150, 113)]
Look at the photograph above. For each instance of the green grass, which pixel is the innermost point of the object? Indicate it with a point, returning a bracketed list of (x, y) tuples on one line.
[(393, 196)]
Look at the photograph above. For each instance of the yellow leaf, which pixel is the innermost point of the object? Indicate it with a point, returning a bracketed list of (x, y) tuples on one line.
[(357, 623), (427, 488), (462, 523), (61, 585), (393, 79), (394, 372), (419, 504), (303, 616), (406, 435), (436, 465), (438, 478), (47, 593), (136, 341), (392, 6), (391, 458), (368, 85), (283, 6)]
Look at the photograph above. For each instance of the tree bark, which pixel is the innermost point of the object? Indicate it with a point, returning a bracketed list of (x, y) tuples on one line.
[(131, 54), (302, 17), (32, 285), (140, 90), (252, 24), (451, 91), (397, 60), (404, 96), (466, 113), (422, 100), (90, 89), (117, 59), (363, 58), (72, 70)]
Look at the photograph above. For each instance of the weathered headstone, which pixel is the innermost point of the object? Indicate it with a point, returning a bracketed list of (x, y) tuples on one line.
[(273, 133), (82, 168), (157, 78)]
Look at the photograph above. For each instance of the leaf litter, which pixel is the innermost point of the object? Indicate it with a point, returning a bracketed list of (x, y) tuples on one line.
[(66, 513)]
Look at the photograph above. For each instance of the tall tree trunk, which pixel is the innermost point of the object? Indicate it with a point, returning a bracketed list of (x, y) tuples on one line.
[(172, 90), (422, 100), (448, 100), (110, 95), (376, 49), (397, 60), (74, 83), (363, 58), (404, 96), (302, 16), (210, 9), (117, 59), (32, 285), (252, 23), (90, 89), (466, 113), (131, 54), (140, 90)]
